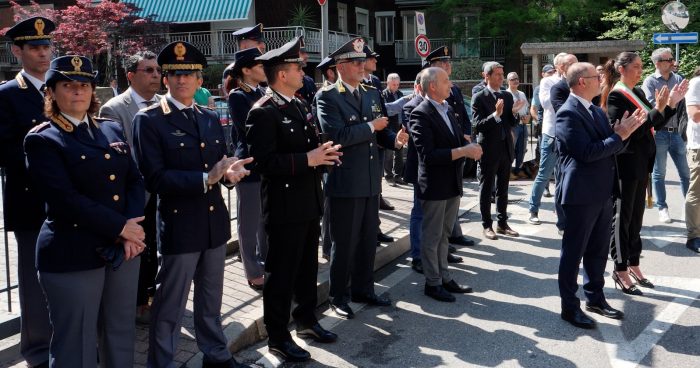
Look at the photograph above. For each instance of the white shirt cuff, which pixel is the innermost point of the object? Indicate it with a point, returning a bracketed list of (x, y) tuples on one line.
[(205, 179)]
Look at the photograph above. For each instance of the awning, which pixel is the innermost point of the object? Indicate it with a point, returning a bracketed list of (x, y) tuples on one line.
[(193, 11)]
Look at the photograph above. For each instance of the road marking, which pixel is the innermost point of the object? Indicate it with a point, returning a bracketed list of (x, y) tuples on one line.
[(624, 353), (662, 238)]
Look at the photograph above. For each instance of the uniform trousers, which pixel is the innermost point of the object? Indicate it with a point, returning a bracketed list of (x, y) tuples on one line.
[(252, 238), (35, 331), (626, 243), (588, 240), (326, 243), (292, 266), (173, 282), (499, 168), (353, 225), (91, 309), (437, 225)]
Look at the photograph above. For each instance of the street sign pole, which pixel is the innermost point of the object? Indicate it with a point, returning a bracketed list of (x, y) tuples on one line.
[(324, 29)]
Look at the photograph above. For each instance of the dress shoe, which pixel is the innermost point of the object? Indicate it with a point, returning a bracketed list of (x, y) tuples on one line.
[(417, 265), (534, 219), (439, 293), (317, 333), (489, 234), (256, 287), (451, 249), (399, 181), (461, 240), (385, 205), (632, 290), (231, 363), (605, 310), (42, 365), (693, 244), (578, 319), (506, 230), (383, 238), (325, 256), (343, 311), (454, 287), (289, 351), (371, 299), (451, 258)]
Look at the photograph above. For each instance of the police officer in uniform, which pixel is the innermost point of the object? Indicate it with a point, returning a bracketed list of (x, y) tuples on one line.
[(350, 113), (308, 89), (22, 108), (285, 143), (89, 242), (246, 38), (251, 230), (181, 151)]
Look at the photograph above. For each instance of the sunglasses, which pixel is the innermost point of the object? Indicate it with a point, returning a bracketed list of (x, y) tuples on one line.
[(668, 60), (151, 70)]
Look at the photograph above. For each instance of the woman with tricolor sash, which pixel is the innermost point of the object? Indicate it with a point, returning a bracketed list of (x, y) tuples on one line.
[(621, 97)]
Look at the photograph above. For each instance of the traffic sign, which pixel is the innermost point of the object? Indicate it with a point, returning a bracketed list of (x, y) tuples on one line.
[(321, 2), (420, 23), (668, 38), (422, 45)]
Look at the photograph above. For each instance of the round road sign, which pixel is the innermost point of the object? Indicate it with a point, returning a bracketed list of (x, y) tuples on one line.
[(422, 45)]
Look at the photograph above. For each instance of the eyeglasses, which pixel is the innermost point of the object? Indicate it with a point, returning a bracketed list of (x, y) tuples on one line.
[(150, 70), (670, 60), (514, 79)]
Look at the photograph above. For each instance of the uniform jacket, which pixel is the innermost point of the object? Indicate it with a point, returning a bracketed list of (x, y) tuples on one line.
[(91, 187), (456, 101), (21, 109), (308, 90), (494, 137), (280, 135), (240, 101), (173, 153), (345, 122), (439, 177), (587, 149), (559, 94), (122, 109), (636, 161)]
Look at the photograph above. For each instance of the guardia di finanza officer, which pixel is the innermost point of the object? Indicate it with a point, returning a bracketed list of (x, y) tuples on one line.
[(181, 152), (285, 142)]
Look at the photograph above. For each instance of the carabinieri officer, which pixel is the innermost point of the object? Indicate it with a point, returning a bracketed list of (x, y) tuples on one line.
[(87, 247), (181, 151)]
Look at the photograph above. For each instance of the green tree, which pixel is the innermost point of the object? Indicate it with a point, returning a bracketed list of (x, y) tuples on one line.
[(640, 19)]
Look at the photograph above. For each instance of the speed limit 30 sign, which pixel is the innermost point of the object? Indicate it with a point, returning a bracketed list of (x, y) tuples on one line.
[(422, 45)]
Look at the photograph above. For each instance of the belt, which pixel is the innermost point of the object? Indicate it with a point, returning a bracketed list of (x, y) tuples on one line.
[(672, 130)]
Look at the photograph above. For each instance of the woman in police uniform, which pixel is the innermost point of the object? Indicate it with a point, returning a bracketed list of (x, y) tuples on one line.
[(87, 245)]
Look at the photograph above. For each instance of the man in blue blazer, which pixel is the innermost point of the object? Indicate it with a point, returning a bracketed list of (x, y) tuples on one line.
[(587, 146)]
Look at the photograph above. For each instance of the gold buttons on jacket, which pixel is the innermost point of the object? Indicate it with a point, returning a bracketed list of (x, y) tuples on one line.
[(217, 141), (112, 177), (182, 145), (211, 208), (206, 166), (202, 145), (116, 197), (107, 156), (82, 157), (175, 210)]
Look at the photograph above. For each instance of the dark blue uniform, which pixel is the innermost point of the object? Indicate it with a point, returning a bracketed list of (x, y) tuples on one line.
[(240, 101), (308, 90)]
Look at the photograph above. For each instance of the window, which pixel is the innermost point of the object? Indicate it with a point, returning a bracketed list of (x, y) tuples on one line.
[(470, 45), (342, 17), (362, 21), (385, 27)]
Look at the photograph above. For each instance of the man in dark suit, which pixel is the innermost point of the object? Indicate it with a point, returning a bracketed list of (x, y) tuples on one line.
[(143, 74), (559, 92), (587, 146), (285, 143), (21, 109), (181, 152), (441, 147), (494, 113), (351, 115)]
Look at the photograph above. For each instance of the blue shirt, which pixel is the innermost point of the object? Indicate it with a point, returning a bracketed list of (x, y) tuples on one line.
[(442, 109)]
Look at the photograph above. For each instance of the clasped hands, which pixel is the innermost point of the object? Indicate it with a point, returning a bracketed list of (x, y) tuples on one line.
[(133, 237)]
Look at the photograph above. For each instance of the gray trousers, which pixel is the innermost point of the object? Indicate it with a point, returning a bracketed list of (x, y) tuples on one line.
[(175, 276), (252, 239), (91, 309), (36, 329), (438, 223)]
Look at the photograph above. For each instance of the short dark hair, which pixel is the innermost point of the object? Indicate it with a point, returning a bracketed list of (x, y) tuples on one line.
[(132, 62), (272, 71)]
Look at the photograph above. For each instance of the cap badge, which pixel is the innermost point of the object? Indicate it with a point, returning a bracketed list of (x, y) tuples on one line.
[(180, 51), (358, 45), (39, 26), (446, 51), (77, 62)]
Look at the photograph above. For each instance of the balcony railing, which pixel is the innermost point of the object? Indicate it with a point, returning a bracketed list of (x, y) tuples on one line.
[(6, 57), (486, 48)]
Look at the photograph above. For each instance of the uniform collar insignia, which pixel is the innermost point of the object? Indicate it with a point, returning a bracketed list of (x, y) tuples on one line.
[(63, 123), (20, 81), (165, 106)]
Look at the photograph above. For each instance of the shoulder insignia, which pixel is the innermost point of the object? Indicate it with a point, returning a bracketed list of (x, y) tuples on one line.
[(3, 82), (367, 86), (20, 81), (244, 87), (328, 87), (63, 123), (39, 127), (262, 101), (340, 86), (165, 106)]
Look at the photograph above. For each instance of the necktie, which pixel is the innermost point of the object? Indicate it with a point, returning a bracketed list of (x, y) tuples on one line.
[(148, 103), (85, 128), (356, 93)]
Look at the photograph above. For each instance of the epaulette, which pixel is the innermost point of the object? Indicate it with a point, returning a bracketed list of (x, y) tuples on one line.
[(20, 81), (40, 127), (328, 87), (2, 82), (153, 106), (262, 101), (367, 86), (244, 87), (63, 123), (165, 106)]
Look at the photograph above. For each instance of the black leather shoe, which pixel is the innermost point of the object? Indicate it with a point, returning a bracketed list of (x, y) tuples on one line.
[(383, 238), (693, 244), (417, 265), (605, 310), (343, 311), (454, 287), (451, 258), (231, 363), (439, 293), (578, 319), (289, 351), (461, 240), (372, 299), (399, 181), (42, 365), (385, 205), (317, 333), (451, 249)]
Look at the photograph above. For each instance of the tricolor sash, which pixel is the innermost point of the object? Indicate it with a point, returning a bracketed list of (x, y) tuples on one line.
[(631, 96)]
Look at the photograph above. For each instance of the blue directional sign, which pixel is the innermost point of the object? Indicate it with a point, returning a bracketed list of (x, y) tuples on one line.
[(667, 38)]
